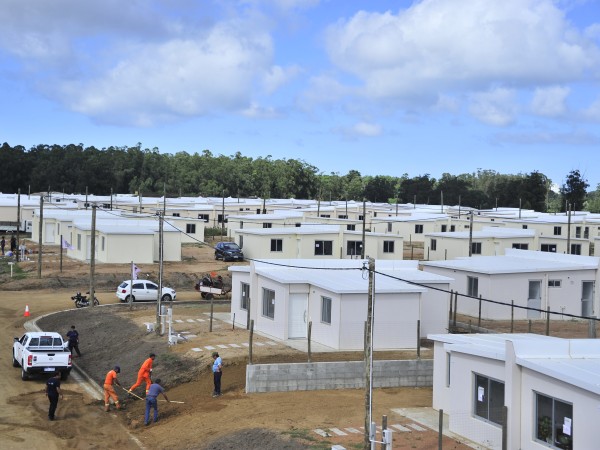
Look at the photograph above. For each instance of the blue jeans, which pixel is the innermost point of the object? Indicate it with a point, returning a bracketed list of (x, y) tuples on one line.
[(151, 402)]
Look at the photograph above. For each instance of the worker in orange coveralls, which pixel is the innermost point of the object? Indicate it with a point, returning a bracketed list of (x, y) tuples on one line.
[(109, 390), (144, 374)]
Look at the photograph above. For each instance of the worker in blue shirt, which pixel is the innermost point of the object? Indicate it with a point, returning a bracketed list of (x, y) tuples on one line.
[(152, 401), (53, 392), (217, 369)]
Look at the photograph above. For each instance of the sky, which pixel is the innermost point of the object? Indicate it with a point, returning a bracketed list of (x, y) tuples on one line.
[(381, 87)]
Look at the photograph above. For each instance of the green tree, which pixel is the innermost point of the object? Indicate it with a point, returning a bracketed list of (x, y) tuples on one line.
[(573, 191)]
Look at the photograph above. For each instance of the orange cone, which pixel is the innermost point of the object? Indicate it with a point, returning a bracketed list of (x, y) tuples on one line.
[(26, 311)]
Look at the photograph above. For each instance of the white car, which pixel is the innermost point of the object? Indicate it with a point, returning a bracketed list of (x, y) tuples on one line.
[(143, 290)]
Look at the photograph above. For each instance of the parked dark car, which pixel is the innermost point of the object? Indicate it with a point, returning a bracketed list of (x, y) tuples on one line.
[(228, 251)]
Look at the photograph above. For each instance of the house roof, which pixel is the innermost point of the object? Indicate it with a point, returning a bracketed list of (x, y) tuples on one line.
[(515, 261), (486, 233), (572, 361)]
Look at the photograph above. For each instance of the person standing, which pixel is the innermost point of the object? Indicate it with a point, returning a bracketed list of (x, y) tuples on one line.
[(13, 243), (2, 244), (217, 369), (144, 374), (73, 342), (152, 401), (109, 389), (53, 392)]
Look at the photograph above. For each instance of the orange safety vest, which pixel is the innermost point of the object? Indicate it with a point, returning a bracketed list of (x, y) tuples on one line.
[(111, 376)]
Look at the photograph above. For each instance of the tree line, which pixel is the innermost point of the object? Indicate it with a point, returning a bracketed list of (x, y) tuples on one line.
[(77, 169)]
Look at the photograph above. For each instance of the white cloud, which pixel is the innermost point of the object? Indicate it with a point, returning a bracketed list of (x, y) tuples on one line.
[(255, 111), (360, 129), (592, 112), (570, 138), (460, 46), (495, 107), (278, 76), (550, 102)]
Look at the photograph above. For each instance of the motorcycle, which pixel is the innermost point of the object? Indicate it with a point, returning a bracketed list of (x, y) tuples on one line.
[(82, 301)]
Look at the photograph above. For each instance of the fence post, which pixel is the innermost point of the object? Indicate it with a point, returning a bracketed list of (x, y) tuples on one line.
[(455, 306), (512, 316), (383, 428), (529, 326), (309, 347), (470, 327), (479, 318), (418, 339), (233, 324), (548, 322), (250, 342), (450, 316), (440, 428), (591, 329)]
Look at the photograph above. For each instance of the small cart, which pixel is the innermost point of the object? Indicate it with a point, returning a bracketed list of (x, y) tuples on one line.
[(209, 287)]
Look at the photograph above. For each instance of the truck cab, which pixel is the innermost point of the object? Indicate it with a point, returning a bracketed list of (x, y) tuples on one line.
[(41, 352)]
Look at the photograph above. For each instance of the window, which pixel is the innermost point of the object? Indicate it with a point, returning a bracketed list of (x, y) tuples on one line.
[(586, 233), (361, 217), (190, 228), (276, 245), (323, 248), (267, 225), (444, 228), (268, 303), (557, 231), (220, 218), (433, 245), (326, 310), (525, 227), (354, 248), (521, 246), (103, 242), (388, 246), (548, 248), (554, 283), (298, 225), (351, 227), (245, 296), (418, 229), (489, 399), (575, 249), (327, 216), (473, 286), (78, 241), (176, 215), (389, 227), (452, 228), (138, 286), (578, 232), (554, 421), (203, 217), (342, 216), (476, 248)]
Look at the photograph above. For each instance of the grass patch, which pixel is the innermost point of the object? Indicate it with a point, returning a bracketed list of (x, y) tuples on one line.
[(18, 273)]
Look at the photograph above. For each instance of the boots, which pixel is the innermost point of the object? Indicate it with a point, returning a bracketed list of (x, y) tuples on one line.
[(106, 407)]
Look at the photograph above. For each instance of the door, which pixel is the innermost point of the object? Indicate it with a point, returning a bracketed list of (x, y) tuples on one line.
[(298, 316), (151, 291), (139, 291), (534, 299), (587, 298), (49, 233)]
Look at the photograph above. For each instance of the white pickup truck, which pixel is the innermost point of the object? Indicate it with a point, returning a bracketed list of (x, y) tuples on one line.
[(41, 352)]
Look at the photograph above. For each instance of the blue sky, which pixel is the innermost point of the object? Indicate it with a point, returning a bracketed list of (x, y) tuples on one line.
[(382, 87)]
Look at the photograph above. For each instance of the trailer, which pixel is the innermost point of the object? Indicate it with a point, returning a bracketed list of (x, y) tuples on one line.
[(209, 287)]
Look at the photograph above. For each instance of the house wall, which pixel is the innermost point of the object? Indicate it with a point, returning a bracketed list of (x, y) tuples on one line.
[(463, 397), (441, 391), (171, 246), (435, 306), (276, 327), (324, 333), (124, 248), (241, 315), (515, 286)]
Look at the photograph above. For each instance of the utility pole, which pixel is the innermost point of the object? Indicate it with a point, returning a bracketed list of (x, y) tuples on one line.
[(369, 357), (18, 223), (93, 257), (223, 216), (111, 196), (442, 200), (364, 224), (86, 197), (569, 229), (41, 224), (161, 242), (471, 234)]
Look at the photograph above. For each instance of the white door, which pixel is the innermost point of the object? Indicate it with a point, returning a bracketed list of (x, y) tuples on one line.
[(297, 316), (49, 233), (534, 299), (587, 298)]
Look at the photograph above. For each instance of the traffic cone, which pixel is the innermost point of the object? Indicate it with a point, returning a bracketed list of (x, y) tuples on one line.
[(26, 311)]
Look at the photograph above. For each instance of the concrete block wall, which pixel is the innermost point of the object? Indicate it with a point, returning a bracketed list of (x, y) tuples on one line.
[(337, 375)]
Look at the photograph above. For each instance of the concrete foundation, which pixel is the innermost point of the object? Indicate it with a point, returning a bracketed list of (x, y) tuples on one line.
[(337, 375)]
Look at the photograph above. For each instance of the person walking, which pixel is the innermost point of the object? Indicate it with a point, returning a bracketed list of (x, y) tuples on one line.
[(53, 392), (109, 389), (144, 374), (217, 369), (73, 342), (152, 401), (2, 244)]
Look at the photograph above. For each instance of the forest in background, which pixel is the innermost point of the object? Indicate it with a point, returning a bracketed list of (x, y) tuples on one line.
[(74, 169)]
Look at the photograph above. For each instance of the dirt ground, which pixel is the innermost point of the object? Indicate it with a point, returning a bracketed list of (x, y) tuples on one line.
[(115, 334)]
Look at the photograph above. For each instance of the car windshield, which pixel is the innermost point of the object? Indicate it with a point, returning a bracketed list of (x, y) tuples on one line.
[(233, 247)]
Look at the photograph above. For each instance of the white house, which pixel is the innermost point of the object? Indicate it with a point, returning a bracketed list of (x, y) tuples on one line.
[(540, 280), (549, 386), (283, 296)]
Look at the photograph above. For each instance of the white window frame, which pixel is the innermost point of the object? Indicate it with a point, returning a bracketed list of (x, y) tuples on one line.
[(326, 310), (268, 303)]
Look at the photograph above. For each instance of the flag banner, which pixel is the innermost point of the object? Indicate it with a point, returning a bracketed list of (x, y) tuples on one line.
[(65, 244), (134, 271)]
